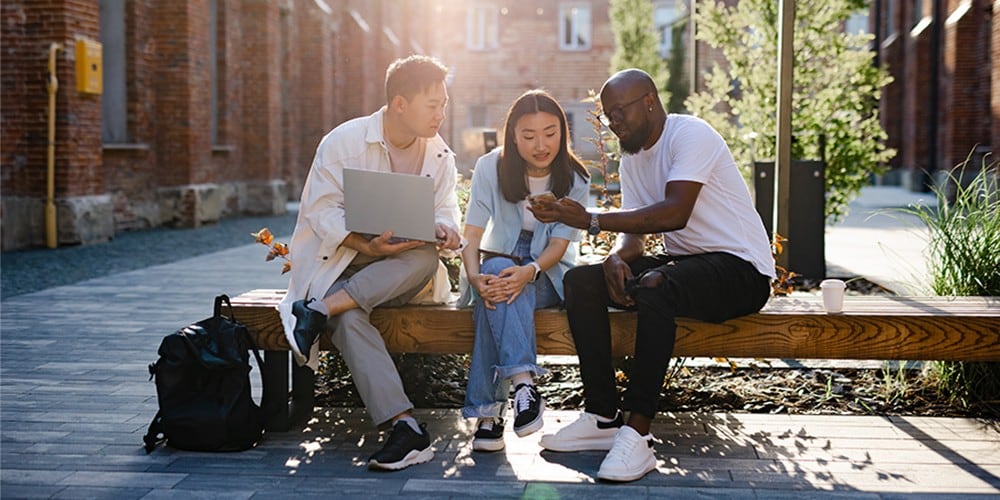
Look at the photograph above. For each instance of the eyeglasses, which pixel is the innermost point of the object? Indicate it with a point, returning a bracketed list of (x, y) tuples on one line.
[(618, 114)]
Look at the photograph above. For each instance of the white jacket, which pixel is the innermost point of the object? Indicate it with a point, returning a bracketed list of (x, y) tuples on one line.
[(315, 250)]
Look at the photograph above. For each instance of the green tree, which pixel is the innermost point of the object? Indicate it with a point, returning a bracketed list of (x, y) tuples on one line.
[(637, 42), (835, 91), (677, 84)]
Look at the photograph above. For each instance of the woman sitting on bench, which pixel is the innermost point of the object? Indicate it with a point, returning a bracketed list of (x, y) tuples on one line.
[(517, 266)]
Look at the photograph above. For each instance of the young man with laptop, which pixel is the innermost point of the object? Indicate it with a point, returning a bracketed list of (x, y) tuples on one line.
[(340, 272)]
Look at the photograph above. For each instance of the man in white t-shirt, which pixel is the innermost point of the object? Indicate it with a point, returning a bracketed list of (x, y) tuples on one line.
[(679, 180)]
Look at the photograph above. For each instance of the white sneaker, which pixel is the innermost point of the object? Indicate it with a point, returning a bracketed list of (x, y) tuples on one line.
[(587, 433), (630, 458)]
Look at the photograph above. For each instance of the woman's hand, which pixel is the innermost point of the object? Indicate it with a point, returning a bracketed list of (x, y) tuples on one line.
[(514, 279), (489, 288)]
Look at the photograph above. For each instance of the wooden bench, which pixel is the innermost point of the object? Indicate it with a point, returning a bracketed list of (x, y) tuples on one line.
[(871, 327)]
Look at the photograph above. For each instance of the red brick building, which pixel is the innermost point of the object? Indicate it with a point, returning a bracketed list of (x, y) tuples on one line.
[(209, 108), (944, 101)]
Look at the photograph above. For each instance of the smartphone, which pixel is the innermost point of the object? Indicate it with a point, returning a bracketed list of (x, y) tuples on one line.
[(546, 196)]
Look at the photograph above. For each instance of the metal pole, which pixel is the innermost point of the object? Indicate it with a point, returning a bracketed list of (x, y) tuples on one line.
[(783, 150), (51, 234)]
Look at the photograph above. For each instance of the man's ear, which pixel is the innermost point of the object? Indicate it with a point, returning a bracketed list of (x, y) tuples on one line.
[(398, 103)]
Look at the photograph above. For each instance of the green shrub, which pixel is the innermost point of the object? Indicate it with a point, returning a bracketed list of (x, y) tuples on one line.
[(964, 259)]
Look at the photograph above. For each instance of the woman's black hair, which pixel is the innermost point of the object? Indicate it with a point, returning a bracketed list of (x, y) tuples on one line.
[(512, 167)]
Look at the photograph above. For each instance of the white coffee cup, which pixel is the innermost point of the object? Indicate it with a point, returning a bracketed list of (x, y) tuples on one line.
[(833, 295)]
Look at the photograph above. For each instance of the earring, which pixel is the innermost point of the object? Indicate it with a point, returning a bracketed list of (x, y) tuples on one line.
[(651, 108)]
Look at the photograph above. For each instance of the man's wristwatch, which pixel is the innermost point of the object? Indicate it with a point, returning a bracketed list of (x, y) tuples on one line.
[(595, 225), (538, 271)]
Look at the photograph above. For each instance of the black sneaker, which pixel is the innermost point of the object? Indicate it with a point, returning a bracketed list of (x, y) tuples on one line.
[(489, 435), (528, 408), (308, 325), (403, 448)]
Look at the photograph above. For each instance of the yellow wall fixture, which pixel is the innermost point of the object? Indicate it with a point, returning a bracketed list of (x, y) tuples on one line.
[(89, 67), (51, 239)]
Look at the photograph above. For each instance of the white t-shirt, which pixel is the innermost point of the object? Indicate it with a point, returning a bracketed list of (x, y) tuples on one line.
[(724, 218)]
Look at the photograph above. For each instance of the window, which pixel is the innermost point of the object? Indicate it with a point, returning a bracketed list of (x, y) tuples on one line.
[(481, 31), (114, 101), (574, 26), (918, 12), (668, 16), (888, 17), (857, 23), (477, 116), (213, 70)]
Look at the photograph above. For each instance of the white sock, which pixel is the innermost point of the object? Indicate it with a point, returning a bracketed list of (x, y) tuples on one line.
[(412, 422), (522, 378), (319, 306)]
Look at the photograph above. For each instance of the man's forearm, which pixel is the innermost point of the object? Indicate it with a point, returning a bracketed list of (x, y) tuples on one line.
[(629, 247)]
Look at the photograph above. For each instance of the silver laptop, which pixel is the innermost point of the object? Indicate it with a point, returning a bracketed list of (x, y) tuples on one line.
[(375, 202)]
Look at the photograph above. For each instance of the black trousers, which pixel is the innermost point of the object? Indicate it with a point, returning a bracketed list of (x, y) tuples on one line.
[(710, 287)]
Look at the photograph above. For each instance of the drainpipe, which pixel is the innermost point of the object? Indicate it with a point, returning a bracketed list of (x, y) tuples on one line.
[(51, 239)]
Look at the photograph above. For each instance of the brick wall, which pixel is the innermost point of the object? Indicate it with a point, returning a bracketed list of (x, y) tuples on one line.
[(29, 29), (995, 80), (916, 112), (131, 167), (528, 56), (965, 85)]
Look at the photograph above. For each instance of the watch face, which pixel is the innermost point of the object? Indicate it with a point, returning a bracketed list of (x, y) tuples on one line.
[(595, 226)]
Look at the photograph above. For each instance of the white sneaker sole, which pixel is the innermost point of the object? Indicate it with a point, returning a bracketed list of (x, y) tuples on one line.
[(414, 457), (487, 444), (551, 443), (626, 476), (534, 426)]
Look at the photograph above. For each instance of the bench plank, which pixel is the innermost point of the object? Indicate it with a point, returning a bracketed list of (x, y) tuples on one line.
[(871, 327)]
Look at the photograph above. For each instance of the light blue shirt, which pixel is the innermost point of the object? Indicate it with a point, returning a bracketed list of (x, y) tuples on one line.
[(501, 219)]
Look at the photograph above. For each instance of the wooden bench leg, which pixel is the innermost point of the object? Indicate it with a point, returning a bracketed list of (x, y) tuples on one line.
[(303, 392), (274, 400)]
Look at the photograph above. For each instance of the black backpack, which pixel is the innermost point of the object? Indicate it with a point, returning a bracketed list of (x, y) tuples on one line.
[(203, 387)]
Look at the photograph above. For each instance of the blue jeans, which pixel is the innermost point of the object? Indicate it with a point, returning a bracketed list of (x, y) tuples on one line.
[(505, 338)]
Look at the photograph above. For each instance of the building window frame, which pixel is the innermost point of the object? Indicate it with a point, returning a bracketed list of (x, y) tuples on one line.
[(482, 27), (665, 26), (114, 98), (575, 26)]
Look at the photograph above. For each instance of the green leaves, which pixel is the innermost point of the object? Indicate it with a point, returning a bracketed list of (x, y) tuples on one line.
[(835, 91)]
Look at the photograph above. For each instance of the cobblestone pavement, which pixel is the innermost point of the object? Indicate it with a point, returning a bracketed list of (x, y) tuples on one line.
[(75, 400)]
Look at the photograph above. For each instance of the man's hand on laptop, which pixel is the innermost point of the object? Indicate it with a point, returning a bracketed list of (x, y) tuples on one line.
[(385, 245), (447, 238)]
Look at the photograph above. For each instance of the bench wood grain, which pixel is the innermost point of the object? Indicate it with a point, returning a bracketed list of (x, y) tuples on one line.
[(871, 327)]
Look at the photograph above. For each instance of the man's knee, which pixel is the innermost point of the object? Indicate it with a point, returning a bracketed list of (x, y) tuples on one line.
[(652, 279), (583, 277), (349, 327)]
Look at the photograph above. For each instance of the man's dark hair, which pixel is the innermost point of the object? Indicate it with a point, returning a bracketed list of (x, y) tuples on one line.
[(411, 75)]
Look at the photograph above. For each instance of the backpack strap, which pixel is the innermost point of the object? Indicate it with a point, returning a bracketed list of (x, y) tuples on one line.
[(218, 306), (154, 436)]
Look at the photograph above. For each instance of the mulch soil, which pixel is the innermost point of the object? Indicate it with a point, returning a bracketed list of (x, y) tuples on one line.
[(434, 381)]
